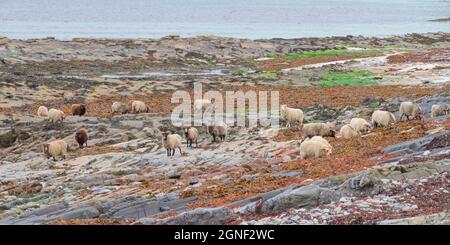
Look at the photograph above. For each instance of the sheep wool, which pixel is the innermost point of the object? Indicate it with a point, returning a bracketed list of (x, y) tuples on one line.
[(382, 118), (410, 109), (55, 115), (319, 129), (78, 109), (291, 115), (218, 130), (139, 107), (191, 136), (348, 132), (81, 136), (314, 149), (360, 125), (201, 104), (118, 107), (439, 110), (171, 142), (55, 148), (42, 111)]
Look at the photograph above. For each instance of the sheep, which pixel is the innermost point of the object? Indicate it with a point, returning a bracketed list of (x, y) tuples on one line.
[(171, 142), (55, 148), (139, 107), (314, 148), (42, 111), (78, 109), (382, 118), (360, 125), (118, 107), (320, 139), (202, 104), (81, 136), (348, 132), (291, 115), (409, 108), (217, 130), (55, 115), (319, 129), (439, 110), (191, 136)]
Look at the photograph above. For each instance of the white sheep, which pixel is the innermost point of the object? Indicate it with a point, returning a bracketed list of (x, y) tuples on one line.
[(139, 107), (55, 148), (360, 125), (348, 132), (408, 109), (118, 107), (439, 110), (42, 111), (55, 115), (314, 149), (171, 142), (291, 115), (319, 129), (382, 118), (191, 136), (203, 104), (320, 139)]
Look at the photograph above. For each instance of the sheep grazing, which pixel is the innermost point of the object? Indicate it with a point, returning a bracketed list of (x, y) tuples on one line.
[(408, 109), (202, 104), (55, 148), (382, 118), (81, 136), (319, 138), (319, 129), (42, 111), (191, 136), (139, 107), (348, 132), (217, 130), (439, 110), (360, 125), (171, 142), (314, 148), (118, 107), (78, 109), (55, 115), (291, 115)]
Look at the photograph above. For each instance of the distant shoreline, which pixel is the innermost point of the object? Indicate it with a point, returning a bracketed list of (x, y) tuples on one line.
[(175, 36), (441, 20)]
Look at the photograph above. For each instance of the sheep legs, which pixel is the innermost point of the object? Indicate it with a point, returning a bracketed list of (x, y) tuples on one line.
[(179, 148)]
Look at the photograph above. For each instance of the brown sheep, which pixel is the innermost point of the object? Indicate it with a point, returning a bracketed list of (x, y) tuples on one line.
[(78, 109), (191, 136), (81, 136), (217, 130)]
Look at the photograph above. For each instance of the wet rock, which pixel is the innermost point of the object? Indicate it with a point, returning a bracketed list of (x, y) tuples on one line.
[(199, 216), (8, 138), (305, 196)]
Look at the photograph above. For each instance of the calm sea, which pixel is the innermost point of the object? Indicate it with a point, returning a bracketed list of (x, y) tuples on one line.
[(65, 19)]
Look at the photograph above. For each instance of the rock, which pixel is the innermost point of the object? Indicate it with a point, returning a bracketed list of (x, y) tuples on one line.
[(8, 138), (3, 40), (199, 216), (442, 218), (306, 196)]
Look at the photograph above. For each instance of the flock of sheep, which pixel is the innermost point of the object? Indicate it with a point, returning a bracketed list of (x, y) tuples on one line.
[(313, 144), (170, 141)]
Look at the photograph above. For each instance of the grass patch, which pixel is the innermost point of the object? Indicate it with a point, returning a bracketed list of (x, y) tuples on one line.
[(352, 78), (331, 52)]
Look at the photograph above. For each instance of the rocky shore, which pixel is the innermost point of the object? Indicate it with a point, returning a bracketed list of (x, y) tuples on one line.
[(397, 175)]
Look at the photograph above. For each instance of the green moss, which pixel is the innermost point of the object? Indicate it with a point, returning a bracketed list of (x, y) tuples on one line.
[(331, 52), (352, 78)]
